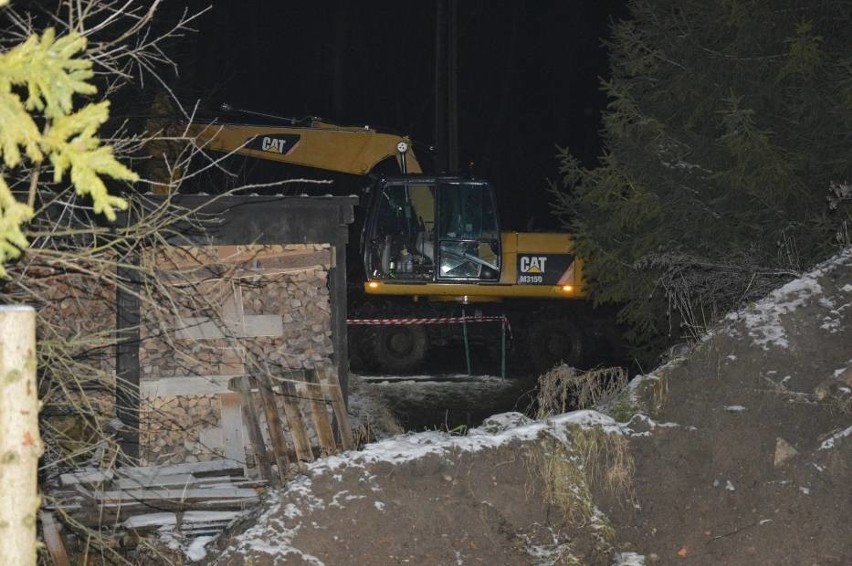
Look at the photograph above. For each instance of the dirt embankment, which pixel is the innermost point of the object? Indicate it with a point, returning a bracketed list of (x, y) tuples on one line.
[(737, 452), (759, 468)]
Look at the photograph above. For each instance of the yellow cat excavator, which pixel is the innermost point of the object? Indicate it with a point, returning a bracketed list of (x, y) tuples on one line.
[(429, 246)]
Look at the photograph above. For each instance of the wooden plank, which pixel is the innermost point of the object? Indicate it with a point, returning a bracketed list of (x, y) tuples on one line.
[(53, 540), (256, 484), (176, 480), (282, 259), (339, 406), (111, 514), (184, 496), (232, 427), (163, 480), (277, 380), (297, 425), (87, 476), (244, 386), (319, 414), (193, 518), (208, 500), (82, 491), (64, 500), (146, 524), (198, 469), (152, 388), (274, 427), (180, 480), (317, 386)]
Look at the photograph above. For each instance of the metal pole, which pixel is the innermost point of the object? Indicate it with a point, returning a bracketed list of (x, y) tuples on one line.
[(466, 344), (452, 90), (503, 347), (441, 133)]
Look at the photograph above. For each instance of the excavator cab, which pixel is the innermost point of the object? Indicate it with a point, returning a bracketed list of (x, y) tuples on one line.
[(432, 229)]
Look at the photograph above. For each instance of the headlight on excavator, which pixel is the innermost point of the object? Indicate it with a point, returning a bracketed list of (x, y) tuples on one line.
[(373, 284), (567, 289)]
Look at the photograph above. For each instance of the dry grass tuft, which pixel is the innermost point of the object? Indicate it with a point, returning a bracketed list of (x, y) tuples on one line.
[(564, 388), (605, 458), (595, 459), (566, 487), (370, 417)]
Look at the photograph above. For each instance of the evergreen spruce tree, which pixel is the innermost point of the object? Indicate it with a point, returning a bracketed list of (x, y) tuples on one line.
[(726, 125)]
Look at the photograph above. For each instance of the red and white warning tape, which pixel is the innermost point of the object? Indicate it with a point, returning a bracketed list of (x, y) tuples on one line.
[(435, 320)]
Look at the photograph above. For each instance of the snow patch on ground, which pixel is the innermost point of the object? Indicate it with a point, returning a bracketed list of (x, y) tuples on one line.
[(170, 519), (628, 559), (412, 446), (495, 432), (253, 539), (196, 550), (643, 425), (830, 442), (548, 553), (763, 319)]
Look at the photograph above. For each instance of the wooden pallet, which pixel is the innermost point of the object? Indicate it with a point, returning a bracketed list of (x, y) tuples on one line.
[(306, 396)]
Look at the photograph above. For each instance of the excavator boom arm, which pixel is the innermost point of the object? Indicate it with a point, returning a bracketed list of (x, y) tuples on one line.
[(321, 145)]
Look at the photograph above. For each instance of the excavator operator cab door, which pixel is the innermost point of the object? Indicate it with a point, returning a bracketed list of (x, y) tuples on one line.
[(433, 230)]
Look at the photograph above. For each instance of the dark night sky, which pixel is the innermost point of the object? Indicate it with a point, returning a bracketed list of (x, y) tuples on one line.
[(527, 70)]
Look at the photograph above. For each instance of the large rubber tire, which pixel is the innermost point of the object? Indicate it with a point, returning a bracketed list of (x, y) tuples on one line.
[(396, 349), (551, 342), (356, 337)]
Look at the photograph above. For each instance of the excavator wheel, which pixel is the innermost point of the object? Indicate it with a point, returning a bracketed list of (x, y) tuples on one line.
[(551, 342), (357, 337), (396, 349)]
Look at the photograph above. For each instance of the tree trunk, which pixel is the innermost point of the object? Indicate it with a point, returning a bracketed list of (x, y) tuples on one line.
[(20, 444)]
